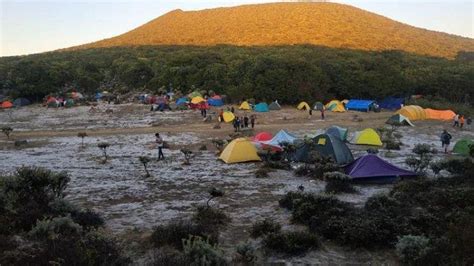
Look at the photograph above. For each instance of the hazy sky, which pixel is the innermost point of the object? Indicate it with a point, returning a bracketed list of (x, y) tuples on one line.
[(32, 26)]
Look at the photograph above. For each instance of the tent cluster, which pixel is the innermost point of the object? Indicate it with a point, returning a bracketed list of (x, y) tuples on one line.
[(56, 102), (415, 112), (19, 102)]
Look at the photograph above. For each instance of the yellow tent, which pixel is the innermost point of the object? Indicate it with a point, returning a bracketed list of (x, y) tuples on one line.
[(331, 103), (303, 106), (413, 112), (335, 106), (238, 151), (197, 99), (228, 116), (245, 106), (368, 136)]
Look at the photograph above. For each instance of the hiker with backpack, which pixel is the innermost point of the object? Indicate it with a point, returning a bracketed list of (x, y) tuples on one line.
[(445, 140), (161, 144)]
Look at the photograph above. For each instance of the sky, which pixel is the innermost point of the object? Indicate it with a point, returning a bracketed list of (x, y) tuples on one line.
[(33, 26)]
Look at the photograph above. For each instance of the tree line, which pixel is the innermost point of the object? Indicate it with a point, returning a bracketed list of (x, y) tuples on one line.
[(287, 73)]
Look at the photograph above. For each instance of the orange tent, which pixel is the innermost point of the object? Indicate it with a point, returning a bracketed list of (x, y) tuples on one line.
[(6, 104), (413, 112), (439, 114)]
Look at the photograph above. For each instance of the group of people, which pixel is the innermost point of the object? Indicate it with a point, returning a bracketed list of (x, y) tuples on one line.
[(459, 121), (243, 122)]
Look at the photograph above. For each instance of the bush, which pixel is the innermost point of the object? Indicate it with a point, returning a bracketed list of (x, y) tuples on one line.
[(293, 243), (246, 252), (262, 172), (202, 252), (392, 145), (281, 165), (265, 227), (172, 234), (412, 250), (210, 217), (338, 182)]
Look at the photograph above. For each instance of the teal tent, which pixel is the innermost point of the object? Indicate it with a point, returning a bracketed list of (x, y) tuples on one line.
[(325, 145), (338, 132), (261, 107)]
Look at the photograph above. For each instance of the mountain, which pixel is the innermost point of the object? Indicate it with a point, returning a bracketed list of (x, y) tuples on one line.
[(325, 24)]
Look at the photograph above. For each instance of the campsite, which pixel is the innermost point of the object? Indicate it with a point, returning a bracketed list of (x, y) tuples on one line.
[(132, 204)]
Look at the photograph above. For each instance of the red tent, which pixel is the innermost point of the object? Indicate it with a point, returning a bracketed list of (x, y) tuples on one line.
[(6, 104), (263, 136)]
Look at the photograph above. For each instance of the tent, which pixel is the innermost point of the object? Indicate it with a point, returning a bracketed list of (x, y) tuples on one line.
[(335, 106), (368, 136), (281, 137), (6, 104), (303, 106), (371, 168), (318, 106), (359, 105), (239, 150), (261, 107), (413, 112), (263, 136), (339, 132), (326, 145), (21, 102), (215, 102), (439, 114), (245, 106), (228, 116), (399, 120), (195, 94), (274, 106), (197, 100), (182, 101), (76, 95), (392, 103), (462, 146), (69, 103), (345, 101), (52, 102)]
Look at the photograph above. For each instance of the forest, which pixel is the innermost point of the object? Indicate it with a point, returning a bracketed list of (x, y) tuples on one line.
[(287, 73)]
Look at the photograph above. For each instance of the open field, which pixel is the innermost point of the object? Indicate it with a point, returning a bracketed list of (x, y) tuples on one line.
[(132, 204)]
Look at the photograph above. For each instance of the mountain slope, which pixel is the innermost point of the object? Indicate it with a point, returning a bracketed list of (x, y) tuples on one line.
[(326, 24)]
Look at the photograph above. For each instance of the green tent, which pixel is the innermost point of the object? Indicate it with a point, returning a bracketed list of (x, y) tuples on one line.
[(399, 120), (318, 106), (338, 132), (69, 103), (274, 106), (462, 146), (326, 145)]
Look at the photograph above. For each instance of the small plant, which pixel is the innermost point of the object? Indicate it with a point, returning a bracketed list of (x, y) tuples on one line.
[(413, 250), (246, 252), (262, 172), (7, 131), (293, 243), (145, 160), (211, 218), (424, 155), (103, 146), (188, 155), (338, 182), (219, 144), (265, 227), (214, 193), (201, 252), (82, 135), (174, 233)]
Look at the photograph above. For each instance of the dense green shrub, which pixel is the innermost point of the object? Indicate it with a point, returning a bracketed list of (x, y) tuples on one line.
[(293, 243), (246, 252), (337, 182), (413, 250), (173, 233), (202, 252), (266, 226), (210, 217)]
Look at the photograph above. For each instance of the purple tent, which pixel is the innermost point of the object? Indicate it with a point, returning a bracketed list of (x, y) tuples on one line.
[(373, 169)]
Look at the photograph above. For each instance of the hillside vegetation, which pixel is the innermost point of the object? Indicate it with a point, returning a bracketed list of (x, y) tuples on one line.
[(287, 73), (325, 24)]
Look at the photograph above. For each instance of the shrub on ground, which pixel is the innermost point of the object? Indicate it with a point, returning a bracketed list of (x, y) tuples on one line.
[(292, 243), (265, 227), (172, 234), (338, 182), (210, 217)]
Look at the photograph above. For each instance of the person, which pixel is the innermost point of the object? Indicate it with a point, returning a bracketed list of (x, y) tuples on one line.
[(468, 123), (232, 109), (461, 121), (241, 122), (246, 121), (456, 121), (221, 115), (322, 113), (237, 124), (445, 140), (310, 113), (160, 143), (252, 120)]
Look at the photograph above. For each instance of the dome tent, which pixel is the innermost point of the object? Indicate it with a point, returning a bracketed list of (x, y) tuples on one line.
[(245, 106), (239, 150), (303, 106), (326, 145), (21, 102), (263, 136), (274, 106), (339, 132), (6, 105), (335, 106), (261, 107), (197, 100), (280, 138), (399, 120), (413, 112), (368, 136), (318, 106), (462, 146), (228, 116)]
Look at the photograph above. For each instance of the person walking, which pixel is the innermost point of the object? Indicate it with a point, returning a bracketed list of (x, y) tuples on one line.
[(461, 121), (310, 113), (160, 142), (445, 140), (468, 123), (246, 121), (252, 121), (322, 113), (456, 121)]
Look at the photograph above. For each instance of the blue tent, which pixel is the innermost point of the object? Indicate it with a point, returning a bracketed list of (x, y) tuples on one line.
[(215, 102), (281, 137), (21, 102), (359, 105), (182, 101), (391, 103), (261, 107)]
